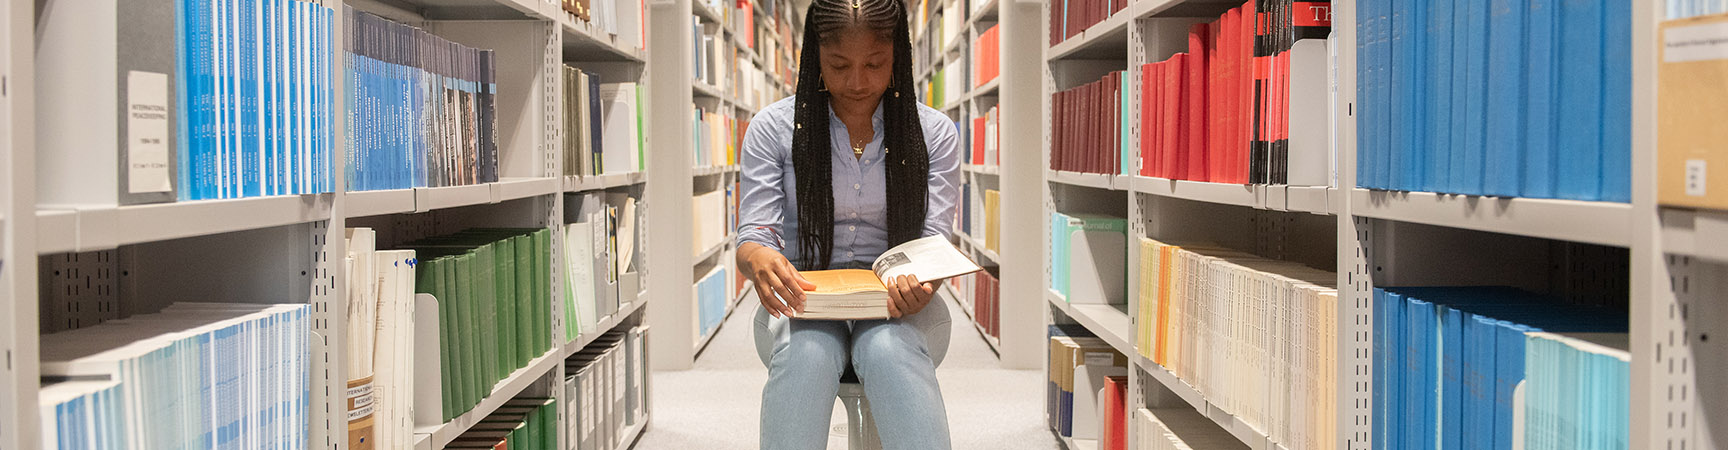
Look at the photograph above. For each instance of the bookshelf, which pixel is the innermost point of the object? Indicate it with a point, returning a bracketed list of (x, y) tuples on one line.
[(1655, 259), (950, 38), (674, 165), (285, 248)]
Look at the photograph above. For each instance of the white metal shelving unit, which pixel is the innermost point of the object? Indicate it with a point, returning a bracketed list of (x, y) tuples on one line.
[(278, 249), (672, 164), (1677, 256), (1019, 345)]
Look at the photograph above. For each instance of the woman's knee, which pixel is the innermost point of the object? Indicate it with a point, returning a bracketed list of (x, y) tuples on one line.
[(889, 344), (814, 356)]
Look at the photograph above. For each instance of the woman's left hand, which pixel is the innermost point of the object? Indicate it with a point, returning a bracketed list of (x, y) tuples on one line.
[(907, 296)]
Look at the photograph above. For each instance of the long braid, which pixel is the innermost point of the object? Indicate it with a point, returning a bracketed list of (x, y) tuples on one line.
[(907, 159)]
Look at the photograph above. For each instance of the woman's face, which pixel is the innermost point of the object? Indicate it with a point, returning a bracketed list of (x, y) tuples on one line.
[(857, 65)]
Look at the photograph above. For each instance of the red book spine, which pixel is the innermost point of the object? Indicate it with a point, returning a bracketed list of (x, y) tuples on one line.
[(978, 140), (1194, 103), (1249, 71), (1101, 142), (1148, 157), (1095, 116), (1114, 436), (1059, 141), (1168, 161), (1216, 97), (1151, 155), (1175, 141)]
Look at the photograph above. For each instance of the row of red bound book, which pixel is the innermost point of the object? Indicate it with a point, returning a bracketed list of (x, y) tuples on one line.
[(1086, 127), (1221, 112)]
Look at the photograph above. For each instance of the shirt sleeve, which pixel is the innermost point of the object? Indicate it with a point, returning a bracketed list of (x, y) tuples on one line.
[(943, 195), (761, 210)]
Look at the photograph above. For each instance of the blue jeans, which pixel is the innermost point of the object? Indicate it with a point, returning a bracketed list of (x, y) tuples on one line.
[(892, 358)]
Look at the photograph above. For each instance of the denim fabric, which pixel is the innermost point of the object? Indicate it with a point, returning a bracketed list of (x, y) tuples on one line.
[(895, 360)]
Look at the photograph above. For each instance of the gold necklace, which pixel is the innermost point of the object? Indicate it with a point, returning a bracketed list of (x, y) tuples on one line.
[(858, 150)]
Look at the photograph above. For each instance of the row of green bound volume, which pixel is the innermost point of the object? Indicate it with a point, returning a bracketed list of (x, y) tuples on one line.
[(493, 290)]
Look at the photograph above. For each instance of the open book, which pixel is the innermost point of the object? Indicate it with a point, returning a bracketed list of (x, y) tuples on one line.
[(847, 294)]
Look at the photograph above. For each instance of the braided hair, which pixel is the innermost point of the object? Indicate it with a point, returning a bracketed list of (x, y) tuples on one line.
[(906, 158)]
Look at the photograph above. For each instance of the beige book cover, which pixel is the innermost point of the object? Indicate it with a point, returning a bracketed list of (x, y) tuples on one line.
[(851, 294)]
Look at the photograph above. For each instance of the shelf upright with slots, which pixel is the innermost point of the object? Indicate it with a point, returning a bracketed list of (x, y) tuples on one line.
[(668, 197), (18, 290), (1017, 91), (672, 166)]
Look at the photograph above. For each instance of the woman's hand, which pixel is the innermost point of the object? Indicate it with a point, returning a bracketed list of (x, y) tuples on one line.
[(906, 296), (774, 279)]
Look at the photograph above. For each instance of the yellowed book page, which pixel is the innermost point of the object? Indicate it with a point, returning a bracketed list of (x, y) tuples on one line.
[(844, 281)]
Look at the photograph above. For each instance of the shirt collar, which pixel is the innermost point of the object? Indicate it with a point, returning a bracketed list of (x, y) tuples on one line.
[(875, 117)]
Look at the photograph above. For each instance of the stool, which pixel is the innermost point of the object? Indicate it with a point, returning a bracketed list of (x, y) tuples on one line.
[(860, 426)]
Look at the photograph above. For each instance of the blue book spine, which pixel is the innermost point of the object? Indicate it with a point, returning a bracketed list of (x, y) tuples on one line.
[(252, 155), (182, 92), (1470, 162), (1460, 90), (1403, 100), (1413, 55), (1479, 350), (1396, 369), (1617, 101), (267, 97), (1503, 161), (1437, 148), (1066, 419), (1580, 113), (232, 41), (198, 147), (1451, 378), (1382, 365), (1508, 372), (314, 98), (1541, 77), (326, 92), (1366, 107), (1384, 95), (1417, 402)]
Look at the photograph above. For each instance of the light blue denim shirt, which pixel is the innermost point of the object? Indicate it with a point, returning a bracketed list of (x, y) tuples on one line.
[(768, 210)]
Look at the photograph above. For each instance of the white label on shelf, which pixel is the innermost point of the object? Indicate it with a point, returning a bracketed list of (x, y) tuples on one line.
[(147, 132), (1695, 43), (1695, 177)]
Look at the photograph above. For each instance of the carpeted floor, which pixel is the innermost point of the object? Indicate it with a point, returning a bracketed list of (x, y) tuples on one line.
[(715, 405)]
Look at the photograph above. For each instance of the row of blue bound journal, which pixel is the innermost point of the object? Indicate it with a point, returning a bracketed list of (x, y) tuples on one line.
[(254, 98), (421, 109), (1450, 362), (1496, 97), (194, 375)]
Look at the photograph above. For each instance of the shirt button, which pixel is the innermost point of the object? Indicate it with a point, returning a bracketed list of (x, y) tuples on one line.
[(854, 214), (857, 185), (848, 254), (852, 228)]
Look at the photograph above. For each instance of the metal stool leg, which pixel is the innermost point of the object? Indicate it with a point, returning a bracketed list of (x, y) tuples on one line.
[(861, 428)]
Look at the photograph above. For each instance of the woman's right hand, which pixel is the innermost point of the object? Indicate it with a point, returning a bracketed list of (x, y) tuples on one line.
[(775, 279)]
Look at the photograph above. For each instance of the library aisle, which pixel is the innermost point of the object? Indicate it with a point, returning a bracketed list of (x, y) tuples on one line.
[(715, 404)]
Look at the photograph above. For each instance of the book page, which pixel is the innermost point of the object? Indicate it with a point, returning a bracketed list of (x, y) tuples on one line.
[(843, 281), (930, 259)]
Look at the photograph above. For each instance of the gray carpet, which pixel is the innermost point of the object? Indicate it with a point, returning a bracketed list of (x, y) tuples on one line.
[(716, 404)]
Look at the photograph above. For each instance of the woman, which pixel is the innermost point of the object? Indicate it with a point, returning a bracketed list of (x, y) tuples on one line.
[(832, 177)]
